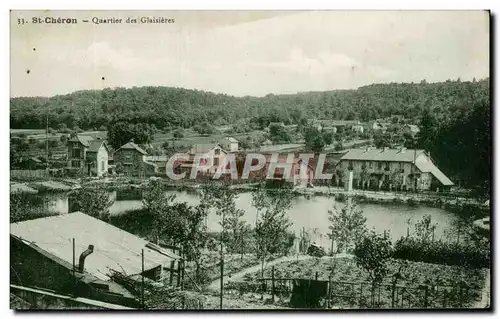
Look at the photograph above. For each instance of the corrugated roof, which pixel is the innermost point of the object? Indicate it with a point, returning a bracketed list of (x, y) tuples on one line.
[(429, 167), (84, 139), (113, 248), (387, 155), (133, 146)]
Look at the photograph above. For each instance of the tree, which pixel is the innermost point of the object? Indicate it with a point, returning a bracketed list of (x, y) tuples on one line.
[(314, 139), (278, 133), (160, 207), (372, 253), (347, 225), (120, 133), (221, 198), (178, 133), (339, 146), (272, 223), (328, 137), (381, 140), (25, 206), (93, 200), (424, 228), (204, 129)]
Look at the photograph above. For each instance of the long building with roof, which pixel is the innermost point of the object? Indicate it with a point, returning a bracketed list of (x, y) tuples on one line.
[(77, 253), (386, 168)]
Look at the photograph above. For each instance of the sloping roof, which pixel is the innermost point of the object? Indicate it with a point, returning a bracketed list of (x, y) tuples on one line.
[(132, 146), (95, 145), (113, 248), (84, 139), (379, 154), (232, 139), (429, 167), (204, 148), (34, 159)]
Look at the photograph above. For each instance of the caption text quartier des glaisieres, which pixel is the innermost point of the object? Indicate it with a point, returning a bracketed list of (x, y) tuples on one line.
[(99, 20)]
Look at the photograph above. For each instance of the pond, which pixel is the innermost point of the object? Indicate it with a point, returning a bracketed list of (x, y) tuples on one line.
[(307, 212)]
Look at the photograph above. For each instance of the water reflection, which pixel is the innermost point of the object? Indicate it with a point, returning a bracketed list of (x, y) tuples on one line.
[(307, 213)]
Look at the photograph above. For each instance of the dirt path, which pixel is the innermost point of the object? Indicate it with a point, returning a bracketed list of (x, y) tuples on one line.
[(215, 285)]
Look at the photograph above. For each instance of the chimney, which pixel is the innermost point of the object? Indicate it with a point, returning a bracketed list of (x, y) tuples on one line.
[(81, 261)]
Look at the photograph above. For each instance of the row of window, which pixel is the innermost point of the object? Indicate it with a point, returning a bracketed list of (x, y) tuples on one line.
[(376, 164)]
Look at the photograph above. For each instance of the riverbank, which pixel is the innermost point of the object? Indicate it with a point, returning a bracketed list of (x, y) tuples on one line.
[(449, 201)]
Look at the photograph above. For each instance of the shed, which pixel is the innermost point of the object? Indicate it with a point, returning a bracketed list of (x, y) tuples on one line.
[(114, 249)]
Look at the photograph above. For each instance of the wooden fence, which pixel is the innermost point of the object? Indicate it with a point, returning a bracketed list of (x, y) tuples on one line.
[(347, 294), (38, 173)]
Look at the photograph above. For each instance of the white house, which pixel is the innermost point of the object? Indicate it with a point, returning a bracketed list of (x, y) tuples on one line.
[(210, 155), (230, 144)]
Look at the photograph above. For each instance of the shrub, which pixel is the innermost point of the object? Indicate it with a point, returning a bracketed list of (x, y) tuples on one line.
[(471, 254)]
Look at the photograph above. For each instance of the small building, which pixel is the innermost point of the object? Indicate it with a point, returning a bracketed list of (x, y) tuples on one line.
[(129, 159), (42, 255), (393, 169), (211, 157), (230, 144), (87, 155)]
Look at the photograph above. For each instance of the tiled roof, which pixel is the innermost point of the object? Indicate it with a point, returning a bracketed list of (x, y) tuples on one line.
[(424, 164), (133, 146), (84, 139), (429, 167), (386, 155), (95, 146), (113, 248)]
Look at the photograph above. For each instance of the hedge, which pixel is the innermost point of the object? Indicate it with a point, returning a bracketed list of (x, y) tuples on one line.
[(439, 252)]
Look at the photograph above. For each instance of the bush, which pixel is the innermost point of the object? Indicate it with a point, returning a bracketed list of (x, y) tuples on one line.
[(471, 254)]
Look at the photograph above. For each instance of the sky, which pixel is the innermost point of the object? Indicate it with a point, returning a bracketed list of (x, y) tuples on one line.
[(246, 52)]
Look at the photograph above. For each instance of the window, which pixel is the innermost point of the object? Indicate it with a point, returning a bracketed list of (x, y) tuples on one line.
[(75, 164), (75, 152), (216, 161), (386, 166), (370, 164), (379, 165), (102, 165), (217, 151)]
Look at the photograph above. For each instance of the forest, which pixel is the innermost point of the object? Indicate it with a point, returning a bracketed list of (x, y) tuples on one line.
[(454, 116), (167, 107)]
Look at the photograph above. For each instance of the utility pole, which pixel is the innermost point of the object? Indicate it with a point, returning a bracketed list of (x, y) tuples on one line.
[(47, 140), (142, 277), (222, 259), (74, 269)]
